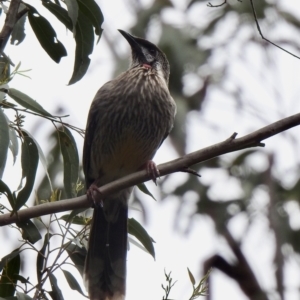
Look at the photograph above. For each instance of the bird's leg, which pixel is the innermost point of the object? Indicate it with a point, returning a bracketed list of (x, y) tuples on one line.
[(152, 170), (95, 195)]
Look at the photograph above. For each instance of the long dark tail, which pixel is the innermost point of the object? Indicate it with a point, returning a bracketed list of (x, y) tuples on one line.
[(105, 267)]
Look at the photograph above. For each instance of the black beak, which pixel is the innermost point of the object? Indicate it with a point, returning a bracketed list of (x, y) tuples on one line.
[(134, 44)]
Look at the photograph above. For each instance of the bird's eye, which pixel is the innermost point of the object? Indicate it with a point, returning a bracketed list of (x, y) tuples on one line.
[(152, 52)]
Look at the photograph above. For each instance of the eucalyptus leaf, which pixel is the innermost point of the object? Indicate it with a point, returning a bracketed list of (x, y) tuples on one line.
[(72, 6), (74, 285), (27, 102), (137, 230), (71, 161), (46, 35), (29, 162), (4, 141)]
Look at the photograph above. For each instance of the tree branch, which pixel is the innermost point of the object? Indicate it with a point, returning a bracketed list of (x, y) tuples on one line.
[(10, 21), (178, 165)]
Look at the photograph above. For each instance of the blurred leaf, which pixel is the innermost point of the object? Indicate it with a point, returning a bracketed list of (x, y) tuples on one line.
[(4, 73), (29, 162), (27, 102), (77, 255), (7, 258), (46, 35), (72, 282), (41, 257), (84, 47), (22, 296), (72, 6), (71, 161), (60, 13), (142, 187), (93, 12), (74, 213), (13, 143), (78, 220), (4, 141), (241, 157), (137, 230), (8, 279), (56, 293), (42, 158), (29, 231), (18, 33), (4, 189)]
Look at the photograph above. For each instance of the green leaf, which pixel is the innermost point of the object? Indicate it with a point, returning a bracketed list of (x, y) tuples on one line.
[(29, 162), (42, 158), (192, 278), (72, 282), (18, 33), (22, 296), (4, 141), (78, 220), (93, 12), (27, 102), (41, 257), (77, 255), (13, 143), (84, 47), (72, 6), (142, 187), (7, 258), (8, 278), (4, 189), (56, 292), (60, 13), (71, 161), (46, 35), (29, 231), (137, 230)]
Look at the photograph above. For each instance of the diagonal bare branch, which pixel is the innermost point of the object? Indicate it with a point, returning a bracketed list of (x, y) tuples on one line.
[(178, 165)]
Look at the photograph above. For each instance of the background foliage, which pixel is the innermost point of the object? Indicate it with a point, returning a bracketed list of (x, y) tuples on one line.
[(224, 77)]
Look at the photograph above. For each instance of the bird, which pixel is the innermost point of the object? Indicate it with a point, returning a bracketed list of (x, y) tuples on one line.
[(128, 120)]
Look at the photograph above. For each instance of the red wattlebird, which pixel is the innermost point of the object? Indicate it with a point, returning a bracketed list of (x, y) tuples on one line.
[(129, 119)]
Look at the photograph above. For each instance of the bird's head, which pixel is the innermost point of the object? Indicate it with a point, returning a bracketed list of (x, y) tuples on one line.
[(145, 53)]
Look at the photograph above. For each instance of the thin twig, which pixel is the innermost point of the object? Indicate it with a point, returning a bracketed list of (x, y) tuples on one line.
[(262, 36)]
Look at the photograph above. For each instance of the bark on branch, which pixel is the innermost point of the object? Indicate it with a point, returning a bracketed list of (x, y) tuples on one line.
[(10, 21), (231, 144)]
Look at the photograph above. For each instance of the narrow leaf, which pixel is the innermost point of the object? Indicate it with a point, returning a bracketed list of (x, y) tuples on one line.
[(142, 187), (71, 161), (29, 231), (192, 278), (29, 162), (46, 35), (4, 189), (7, 258), (72, 6), (42, 158), (137, 230), (93, 12), (13, 143), (77, 255), (56, 291), (41, 257), (4, 141), (8, 278), (60, 13), (27, 102), (84, 47), (18, 33), (74, 285)]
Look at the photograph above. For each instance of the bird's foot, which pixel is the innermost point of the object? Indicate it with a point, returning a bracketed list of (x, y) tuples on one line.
[(95, 195), (152, 170)]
